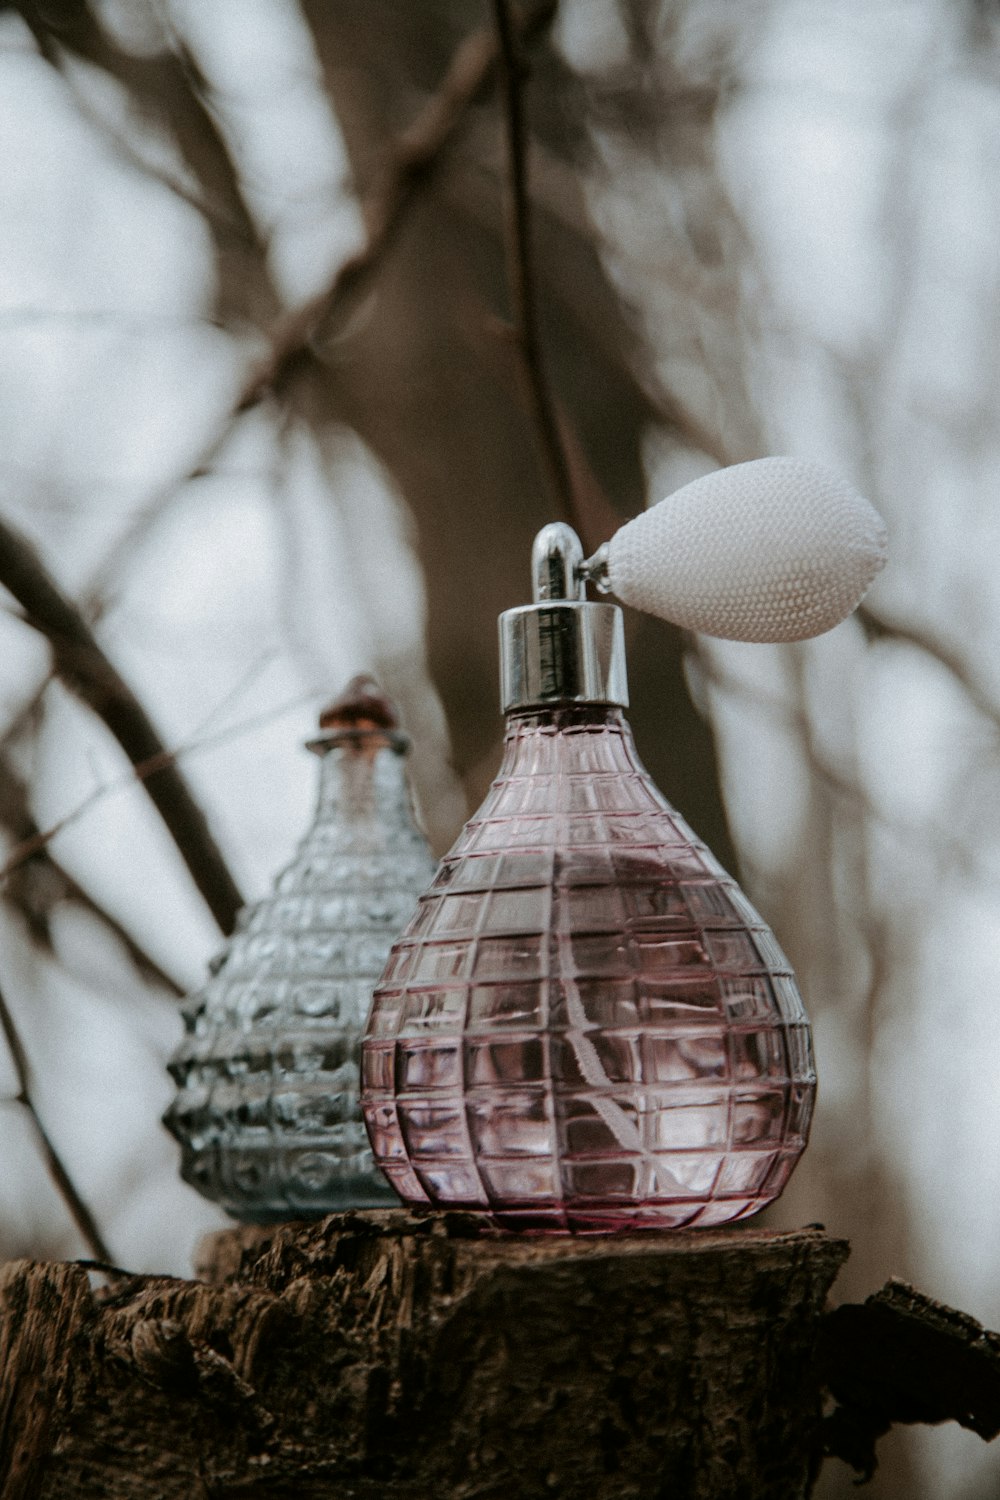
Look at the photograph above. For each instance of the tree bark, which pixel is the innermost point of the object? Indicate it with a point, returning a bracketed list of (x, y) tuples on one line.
[(384, 1354)]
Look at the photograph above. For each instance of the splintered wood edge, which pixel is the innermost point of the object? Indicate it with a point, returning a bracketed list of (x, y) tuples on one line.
[(41, 1306), (391, 1349), (229, 1255)]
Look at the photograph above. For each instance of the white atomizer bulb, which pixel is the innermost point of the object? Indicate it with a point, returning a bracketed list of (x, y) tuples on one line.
[(774, 550)]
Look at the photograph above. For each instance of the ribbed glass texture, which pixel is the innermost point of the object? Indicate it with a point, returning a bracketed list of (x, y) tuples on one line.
[(267, 1109), (586, 1026)]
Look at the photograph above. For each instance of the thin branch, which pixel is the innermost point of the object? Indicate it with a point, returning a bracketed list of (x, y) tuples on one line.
[(111, 317), (45, 883), (296, 342), (141, 771), (35, 901), (79, 1212), (878, 629), (155, 81), (85, 670), (475, 196), (35, 898), (144, 962), (520, 270), (934, 841), (417, 151), (53, 55)]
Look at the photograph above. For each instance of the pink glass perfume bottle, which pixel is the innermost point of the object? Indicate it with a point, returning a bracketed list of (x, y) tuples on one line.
[(586, 1026)]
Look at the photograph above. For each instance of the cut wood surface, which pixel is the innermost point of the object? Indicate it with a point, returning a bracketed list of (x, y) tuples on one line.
[(386, 1354)]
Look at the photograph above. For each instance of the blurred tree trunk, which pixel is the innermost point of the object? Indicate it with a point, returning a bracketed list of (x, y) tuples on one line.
[(428, 376)]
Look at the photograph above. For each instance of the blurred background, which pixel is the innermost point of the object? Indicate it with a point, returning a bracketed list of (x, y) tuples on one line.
[(263, 422)]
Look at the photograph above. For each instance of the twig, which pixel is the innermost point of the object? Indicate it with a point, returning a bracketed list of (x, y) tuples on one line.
[(595, 320), (33, 843), (520, 271), (878, 629), (80, 1213), (934, 841), (85, 670), (47, 883), (144, 962), (24, 830), (417, 151), (296, 341), (83, 38)]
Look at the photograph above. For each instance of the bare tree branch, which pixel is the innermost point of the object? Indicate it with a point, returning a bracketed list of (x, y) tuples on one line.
[(168, 87), (296, 341), (562, 456), (37, 839), (417, 151), (936, 842), (38, 883), (50, 51), (83, 667), (520, 270), (878, 629), (79, 1212), (144, 962)]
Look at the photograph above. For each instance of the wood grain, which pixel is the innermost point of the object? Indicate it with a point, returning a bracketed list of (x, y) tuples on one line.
[(386, 1354)]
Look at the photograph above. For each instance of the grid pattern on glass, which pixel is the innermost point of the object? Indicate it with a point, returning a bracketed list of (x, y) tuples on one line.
[(586, 1025), (267, 1110)]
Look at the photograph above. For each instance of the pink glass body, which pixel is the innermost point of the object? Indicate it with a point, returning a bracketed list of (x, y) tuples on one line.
[(586, 1026)]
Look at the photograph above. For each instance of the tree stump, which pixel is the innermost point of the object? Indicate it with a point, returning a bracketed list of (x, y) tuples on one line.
[(387, 1354)]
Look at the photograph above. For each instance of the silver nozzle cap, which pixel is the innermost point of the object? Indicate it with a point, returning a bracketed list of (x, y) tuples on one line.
[(562, 648)]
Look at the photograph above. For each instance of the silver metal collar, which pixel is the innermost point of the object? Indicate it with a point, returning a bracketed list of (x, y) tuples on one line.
[(562, 648)]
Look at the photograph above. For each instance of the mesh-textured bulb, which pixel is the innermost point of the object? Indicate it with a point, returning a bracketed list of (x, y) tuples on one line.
[(778, 549), (586, 1025), (267, 1109)]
